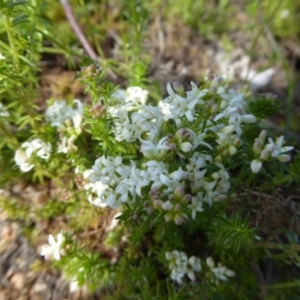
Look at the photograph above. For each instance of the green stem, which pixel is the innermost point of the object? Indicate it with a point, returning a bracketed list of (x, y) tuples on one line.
[(276, 246), (11, 40), (8, 134), (295, 283)]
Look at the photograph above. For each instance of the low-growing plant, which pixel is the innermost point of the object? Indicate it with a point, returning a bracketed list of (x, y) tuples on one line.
[(169, 199)]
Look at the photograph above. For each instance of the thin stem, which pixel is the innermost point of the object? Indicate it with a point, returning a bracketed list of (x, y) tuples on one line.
[(91, 53), (269, 245), (11, 41), (8, 135), (70, 16)]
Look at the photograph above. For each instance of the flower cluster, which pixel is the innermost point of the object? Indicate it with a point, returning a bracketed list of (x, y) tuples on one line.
[(68, 120), (180, 265), (269, 151), (24, 157), (183, 167), (219, 272), (145, 118)]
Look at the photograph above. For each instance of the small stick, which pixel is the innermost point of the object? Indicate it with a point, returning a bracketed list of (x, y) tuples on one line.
[(70, 16), (91, 53)]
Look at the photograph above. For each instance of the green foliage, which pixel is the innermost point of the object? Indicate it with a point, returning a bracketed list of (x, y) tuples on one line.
[(232, 235), (265, 106), (84, 267), (52, 209)]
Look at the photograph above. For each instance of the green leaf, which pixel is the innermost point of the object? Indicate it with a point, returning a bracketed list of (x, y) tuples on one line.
[(15, 3), (20, 19), (26, 60)]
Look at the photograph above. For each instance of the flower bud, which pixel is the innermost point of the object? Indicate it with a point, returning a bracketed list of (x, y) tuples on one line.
[(213, 89), (178, 87), (263, 134), (186, 147), (225, 153), (210, 262), (229, 273), (223, 104), (157, 203), (149, 211), (248, 118), (172, 146), (68, 122), (168, 217), (178, 220), (237, 142), (270, 148), (216, 82), (218, 159), (167, 206), (215, 175), (257, 147), (264, 154), (170, 136), (228, 129), (256, 166), (232, 150), (284, 157), (171, 197), (187, 198), (177, 207), (180, 133), (179, 192), (155, 197), (214, 108)]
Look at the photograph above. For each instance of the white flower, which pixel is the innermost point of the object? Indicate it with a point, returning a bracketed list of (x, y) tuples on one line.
[(136, 95), (105, 196), (37, 147), (220, 272), (155, 168), (148, 119), (105, 169), (194, 264), (167, 206), (277, 148), (123, 129), (165, 109), (235, 111), (184, 107), (256, 165), (128, 188), (152, 151), (66, 145), (180, 265), (59, 112), (23, 161), (172, 180), (196, 204), (133, 97), (54, 249)]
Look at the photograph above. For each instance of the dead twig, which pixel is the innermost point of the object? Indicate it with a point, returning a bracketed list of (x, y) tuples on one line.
[(70, 16), (86, 45)]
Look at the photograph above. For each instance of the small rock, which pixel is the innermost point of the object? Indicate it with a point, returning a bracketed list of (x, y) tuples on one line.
[(18, 281), (40, 290)]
